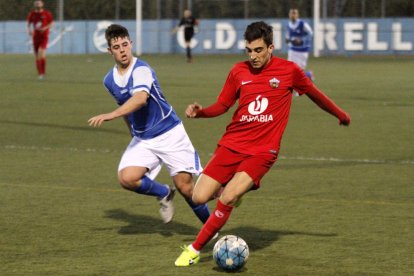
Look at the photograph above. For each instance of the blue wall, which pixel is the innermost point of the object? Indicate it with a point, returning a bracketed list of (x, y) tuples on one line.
[(340, 36)]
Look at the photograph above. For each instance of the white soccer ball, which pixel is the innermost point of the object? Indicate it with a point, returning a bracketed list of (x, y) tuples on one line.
[(230, 253)]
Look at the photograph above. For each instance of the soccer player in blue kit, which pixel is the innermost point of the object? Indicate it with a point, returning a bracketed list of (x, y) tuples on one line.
[(158, 135), (299, 38)]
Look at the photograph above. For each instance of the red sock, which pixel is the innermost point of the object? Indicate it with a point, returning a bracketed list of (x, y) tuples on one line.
[(214, 223), (43, 66), (38, 66)]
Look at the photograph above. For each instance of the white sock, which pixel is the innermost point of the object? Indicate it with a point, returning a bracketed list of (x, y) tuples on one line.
[(193, 249)]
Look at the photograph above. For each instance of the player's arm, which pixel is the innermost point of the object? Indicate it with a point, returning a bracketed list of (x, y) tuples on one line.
[(50, 25), (325, 103), (137, 101), (225, 100), (28, 27), (303, 84), (195, 110)]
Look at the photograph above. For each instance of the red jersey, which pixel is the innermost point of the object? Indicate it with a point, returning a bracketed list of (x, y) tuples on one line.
[(39, 20), (264, 99)]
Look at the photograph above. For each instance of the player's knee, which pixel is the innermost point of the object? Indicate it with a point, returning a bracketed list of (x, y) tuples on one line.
[(229, 199), (200, 199), (184, 184), (128, 182)]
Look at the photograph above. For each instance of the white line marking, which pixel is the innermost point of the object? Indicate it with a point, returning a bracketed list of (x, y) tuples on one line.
[(282, 157)]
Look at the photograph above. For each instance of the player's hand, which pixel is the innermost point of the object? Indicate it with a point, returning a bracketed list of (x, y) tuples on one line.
[(297, 42), (345, 120), (192, 110), (98, 120)]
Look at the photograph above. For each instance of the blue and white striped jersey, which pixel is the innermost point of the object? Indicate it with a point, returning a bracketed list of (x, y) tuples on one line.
[(153, 119), (299, 29)]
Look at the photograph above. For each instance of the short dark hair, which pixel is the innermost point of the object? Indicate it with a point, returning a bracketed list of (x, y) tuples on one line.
[(257, 30), (115, 31)]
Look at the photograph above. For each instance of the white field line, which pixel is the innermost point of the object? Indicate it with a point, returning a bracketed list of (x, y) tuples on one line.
[(323, 159), (296, 199)]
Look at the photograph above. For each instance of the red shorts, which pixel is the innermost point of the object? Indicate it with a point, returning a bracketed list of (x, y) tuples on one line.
[(40, 41), (225, 163)]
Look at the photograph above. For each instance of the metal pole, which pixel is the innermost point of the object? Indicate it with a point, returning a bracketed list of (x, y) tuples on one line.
[(190, 5), (246, 9), (316, 16), (138, 27), (383, 8), (325, 9), (62, 28), (158, 9), (116, 9), (363, 8)]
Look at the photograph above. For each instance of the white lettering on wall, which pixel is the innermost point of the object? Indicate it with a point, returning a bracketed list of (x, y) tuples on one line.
[(353, 36), (373, 43), (397, 42), (225, 35), (328, 37)]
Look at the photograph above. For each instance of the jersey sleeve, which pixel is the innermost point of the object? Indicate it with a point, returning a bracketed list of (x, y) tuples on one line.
[(229, 93), (308, 29), (49, 17), (142, 80), (301, 83), (29, 17)]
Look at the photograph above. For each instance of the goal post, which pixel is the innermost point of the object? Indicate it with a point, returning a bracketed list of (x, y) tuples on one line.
[(138, 28), (316, 28)]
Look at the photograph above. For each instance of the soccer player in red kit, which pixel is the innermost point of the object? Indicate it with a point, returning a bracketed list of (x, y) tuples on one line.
[(42, 21), (263, 87)]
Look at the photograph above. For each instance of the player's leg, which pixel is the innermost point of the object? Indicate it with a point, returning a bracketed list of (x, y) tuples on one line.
[(136, 172), (188, 35), (36, 45), (249, 171), (41, 55), (182, 161), (185, 184), (234, 190)]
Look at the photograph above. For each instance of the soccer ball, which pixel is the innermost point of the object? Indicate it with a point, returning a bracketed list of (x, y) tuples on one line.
[(230, 253)]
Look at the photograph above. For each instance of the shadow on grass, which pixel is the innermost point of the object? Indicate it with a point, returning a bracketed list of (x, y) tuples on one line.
[(142, 224), (57, 126), (258, 239)]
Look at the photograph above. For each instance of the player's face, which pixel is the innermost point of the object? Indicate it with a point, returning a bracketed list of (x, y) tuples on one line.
[(293, 15), (258, 52), (121, 50), (38, 5)]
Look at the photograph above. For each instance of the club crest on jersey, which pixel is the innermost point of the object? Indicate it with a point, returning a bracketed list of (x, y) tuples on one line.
[(274, 83)]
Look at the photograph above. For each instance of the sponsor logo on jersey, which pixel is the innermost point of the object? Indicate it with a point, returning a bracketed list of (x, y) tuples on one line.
[(256, 108), (246, 82), (274, 83)]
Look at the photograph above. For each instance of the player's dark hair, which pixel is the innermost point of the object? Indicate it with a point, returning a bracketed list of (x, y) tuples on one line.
[(257, 30), (115, 31)]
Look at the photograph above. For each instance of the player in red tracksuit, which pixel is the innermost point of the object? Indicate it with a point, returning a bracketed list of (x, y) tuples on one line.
[(39, 22), (263, 87)]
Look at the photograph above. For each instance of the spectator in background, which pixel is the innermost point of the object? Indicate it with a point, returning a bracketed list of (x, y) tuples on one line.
[(39, 22), (299, 38), (190, 23)]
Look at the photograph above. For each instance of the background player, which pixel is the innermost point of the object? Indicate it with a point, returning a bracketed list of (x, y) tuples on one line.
[(158, 134), (299, 38), (39, 22), (263, 87), (189, 22)]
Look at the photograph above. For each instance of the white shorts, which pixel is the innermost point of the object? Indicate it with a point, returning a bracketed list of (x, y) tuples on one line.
[(173, 148), (300, 58)]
